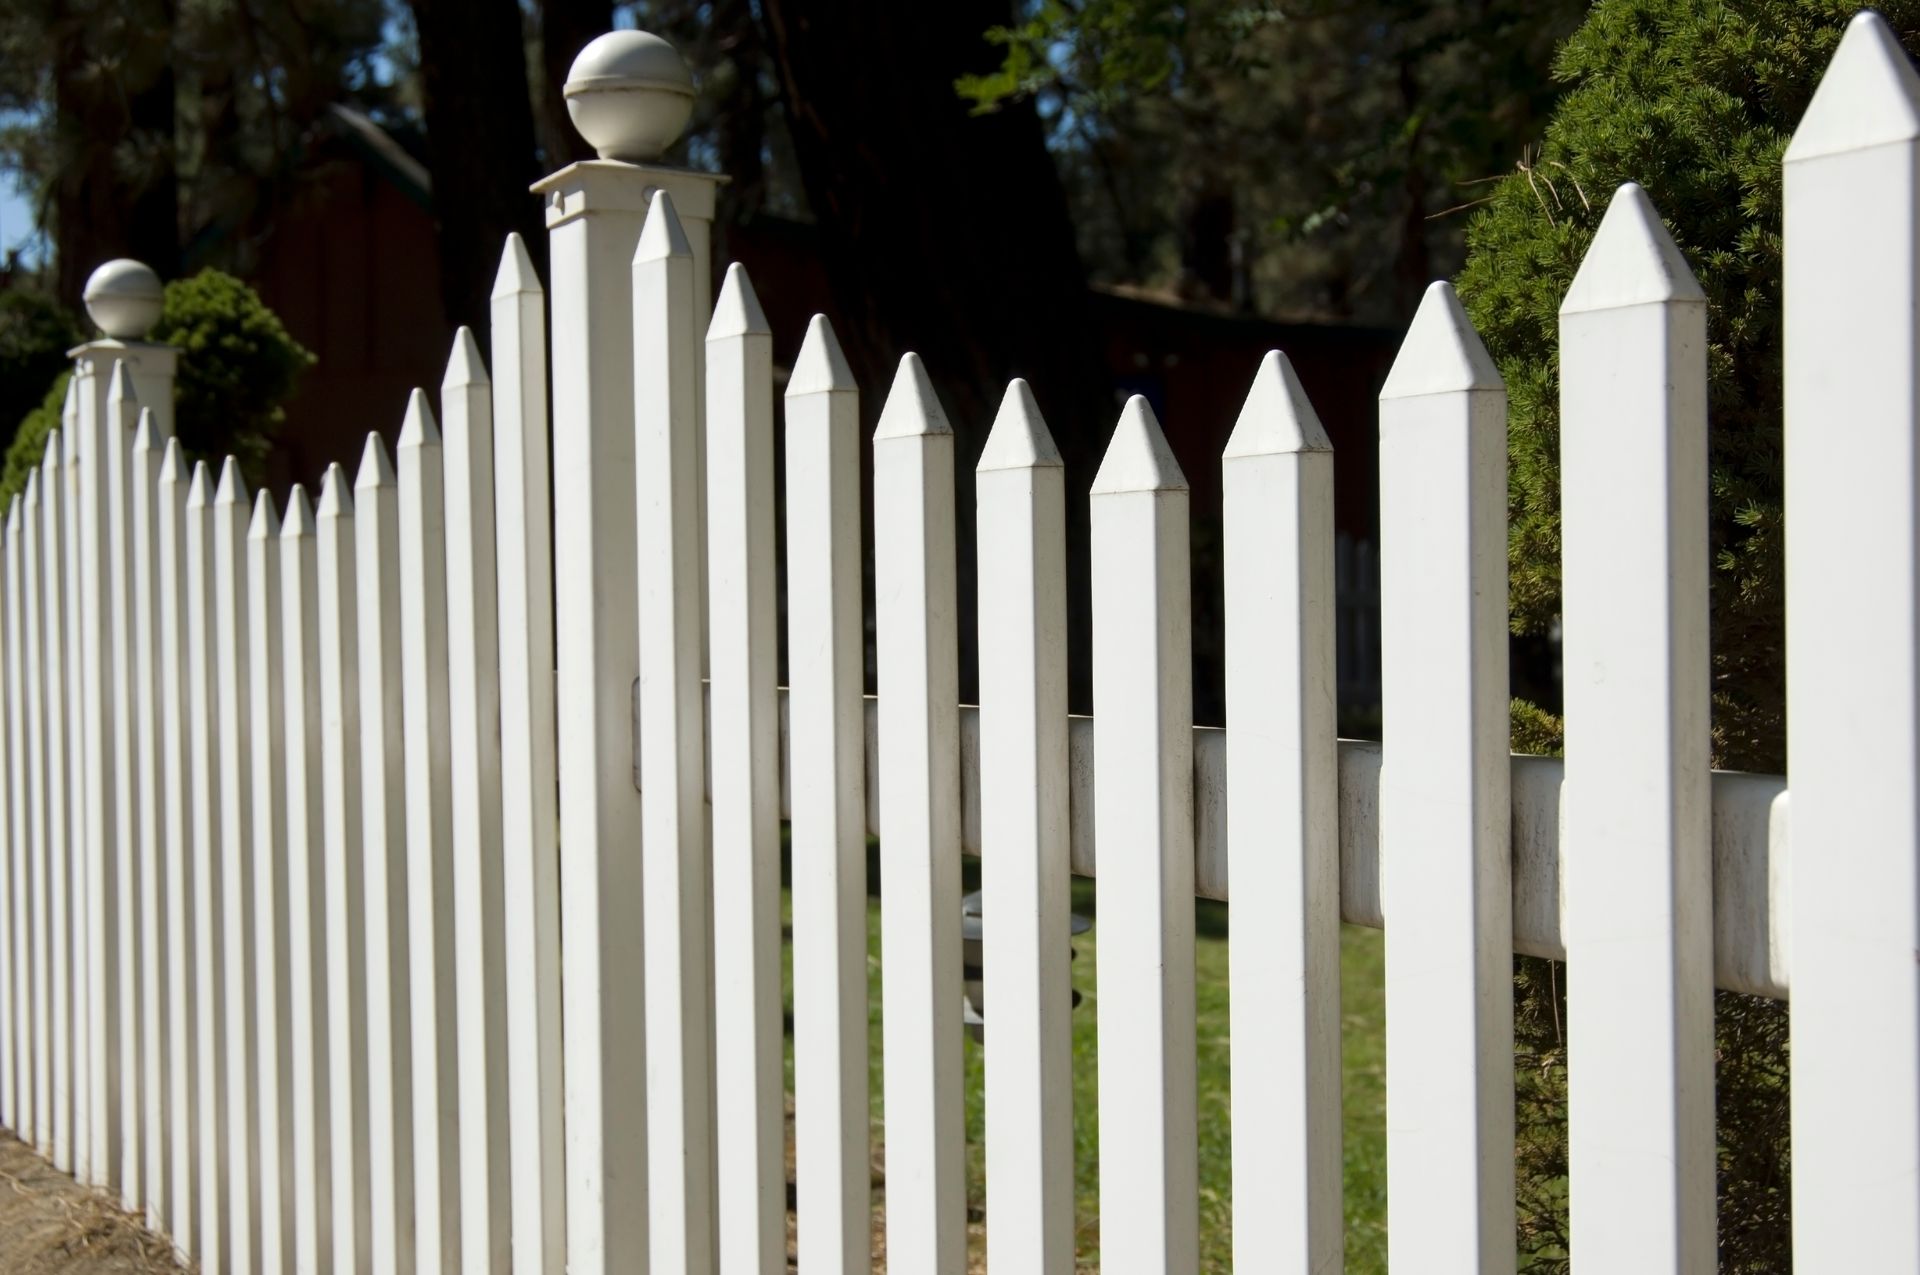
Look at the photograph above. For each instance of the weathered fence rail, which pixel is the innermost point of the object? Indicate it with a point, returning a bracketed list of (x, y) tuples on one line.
[(335, 932)]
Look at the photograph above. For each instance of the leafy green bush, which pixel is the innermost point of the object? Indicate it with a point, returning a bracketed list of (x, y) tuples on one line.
[(1695, 100), (36, 332), (238, 367)]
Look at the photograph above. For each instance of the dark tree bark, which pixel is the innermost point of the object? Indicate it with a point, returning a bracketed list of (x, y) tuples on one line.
[(565, 28), (480, 145), (946, 233)]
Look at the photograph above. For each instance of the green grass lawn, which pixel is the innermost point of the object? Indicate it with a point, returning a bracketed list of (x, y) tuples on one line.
[(1363, 1059)]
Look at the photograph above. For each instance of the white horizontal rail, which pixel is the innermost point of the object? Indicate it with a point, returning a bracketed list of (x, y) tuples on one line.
[(1749, 842)]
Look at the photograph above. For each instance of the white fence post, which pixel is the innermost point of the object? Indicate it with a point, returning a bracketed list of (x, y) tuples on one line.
[(917, 664), (1143, 818), (170, 550), (1635, 809), (209, 893), (479, 918), (232, 678), (745, 644), (383, 805), (671, 743), (423, 681), (153, 798), (308, 1033), (122, 417), (1025, 904), (1444, 798), (827, 730), (1283, 831), (1852, 280), (266, 782), (344, 885), (53, 547), (530, 852)]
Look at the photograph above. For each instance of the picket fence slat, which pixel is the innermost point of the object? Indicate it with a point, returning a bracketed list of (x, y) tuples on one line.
[(182, 1029), (826, 764), (1283, 835), (267, 900), (29, 905), (1020, 488), (1852, 453), (384, 867), (308, 1030), (530, 853), (18, 1081), (744, 737), (1633, 387), (122, 418), (53, 548), (79, 988), (1444, 801), (151, 802), (430, 939)]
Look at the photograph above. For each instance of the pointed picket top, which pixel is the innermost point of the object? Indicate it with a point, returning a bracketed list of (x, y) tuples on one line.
[(51, 458), (13, 517), (912, 408), (376, 470), (33, 489), (266, 519), (120, 384), (173, 463), (299, 519), (1868, 96), (661, 236), (1138, 458), (336, 495), (1019, 438), (146, 432), (200, 490), (822, 365), (1631, 261), (1441, 354), (737, 312), (465, 366), (517, 274), (419, 429), (70, 406), (233, 488), (1277, 417)]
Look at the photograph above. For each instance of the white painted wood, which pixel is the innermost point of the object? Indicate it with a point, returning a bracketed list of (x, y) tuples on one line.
[(30, 906), (122, 417), (1283, 834), (101, 1163), (1444, 799), (529, 794), (677, 901), (473, 714), (53, 548), (177, 763), (1633, 433), (1143, 810), (917, 664), (745, 743), (81, 1071), (1021, 498), (423, 680), (827, 766), (266, 778), (594, 212), (211, 1234), (1852, 227), (345, 884), (308, 1030), (18, 1115), (151, 798), (383, 807), (240, 1025)]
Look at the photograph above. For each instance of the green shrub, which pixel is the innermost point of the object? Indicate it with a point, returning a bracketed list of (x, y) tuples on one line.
[(29, 443), (36, 332)]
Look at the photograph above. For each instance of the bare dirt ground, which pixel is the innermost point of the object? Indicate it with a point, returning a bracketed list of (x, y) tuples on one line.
[(51, 1225)]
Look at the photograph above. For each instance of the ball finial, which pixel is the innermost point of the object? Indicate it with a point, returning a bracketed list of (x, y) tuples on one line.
[(630, 95), (123, 298)]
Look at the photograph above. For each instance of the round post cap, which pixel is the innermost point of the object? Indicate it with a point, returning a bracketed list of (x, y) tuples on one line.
[(630, 95), (123, 298)]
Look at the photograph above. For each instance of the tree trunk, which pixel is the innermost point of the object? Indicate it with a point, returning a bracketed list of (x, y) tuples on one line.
[(480, 146), (565, 28), (946, 233)]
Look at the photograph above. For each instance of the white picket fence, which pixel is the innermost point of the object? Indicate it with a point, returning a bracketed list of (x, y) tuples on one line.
[(310, 854)]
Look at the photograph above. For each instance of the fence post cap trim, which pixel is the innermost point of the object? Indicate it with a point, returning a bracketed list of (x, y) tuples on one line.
[(376, 470), (1442, 354), (516, 275), (822, 365), (1632, 260), (1869, 95), (661, 235), (738, 312), (1277, 417), (1019, 438), (912, 409), (1138, 458)]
